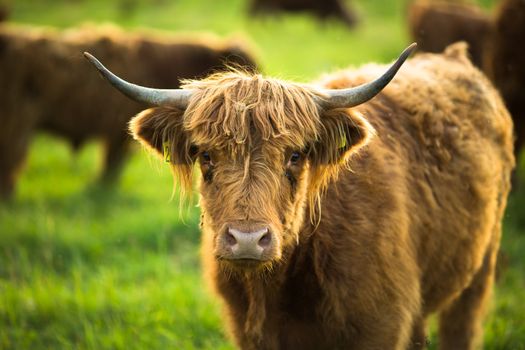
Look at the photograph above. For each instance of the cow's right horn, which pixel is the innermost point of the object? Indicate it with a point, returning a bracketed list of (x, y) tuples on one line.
[(346, 98), (154, 97)]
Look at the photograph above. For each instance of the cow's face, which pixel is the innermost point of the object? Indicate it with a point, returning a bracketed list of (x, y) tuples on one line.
[(265, 150), (250, 202)]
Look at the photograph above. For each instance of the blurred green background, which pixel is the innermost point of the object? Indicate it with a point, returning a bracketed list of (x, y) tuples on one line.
[(86, 267)]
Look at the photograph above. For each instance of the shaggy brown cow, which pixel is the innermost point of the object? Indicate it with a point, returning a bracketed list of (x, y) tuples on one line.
[(45, 82), (435, 25), (505, 62), (331, 223), (322, 9)]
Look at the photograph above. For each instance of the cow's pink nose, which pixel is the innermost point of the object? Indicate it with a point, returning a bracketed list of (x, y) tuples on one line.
[(248, 245)]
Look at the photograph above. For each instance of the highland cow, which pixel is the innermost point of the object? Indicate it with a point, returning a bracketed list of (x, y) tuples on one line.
[(435, 25), (504, 62), (332, 220), (45, 82), (321, 9)]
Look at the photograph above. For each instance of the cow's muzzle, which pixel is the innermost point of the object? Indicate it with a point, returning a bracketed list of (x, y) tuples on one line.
[(237, 244)]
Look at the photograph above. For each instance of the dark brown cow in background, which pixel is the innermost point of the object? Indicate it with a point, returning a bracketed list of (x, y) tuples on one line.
[(46, 85), (3, 13), (436, 24), (323, 9), (505, 61), (331, 223)]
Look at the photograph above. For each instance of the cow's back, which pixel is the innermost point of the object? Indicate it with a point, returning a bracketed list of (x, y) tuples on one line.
[(430, 189)]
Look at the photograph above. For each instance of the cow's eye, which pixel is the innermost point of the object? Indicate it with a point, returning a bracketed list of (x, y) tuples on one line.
[(294, 158), (206, 157)]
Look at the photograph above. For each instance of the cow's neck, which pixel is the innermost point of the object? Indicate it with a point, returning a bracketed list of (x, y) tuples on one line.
[(284, 291)]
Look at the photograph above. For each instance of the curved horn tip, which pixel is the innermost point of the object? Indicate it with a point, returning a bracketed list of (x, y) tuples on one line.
[(412, 46), (410, 49), (89, 57), (95, 62)]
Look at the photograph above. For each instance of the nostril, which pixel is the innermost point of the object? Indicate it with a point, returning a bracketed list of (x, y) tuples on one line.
[(253, 244), (265, 240), (230, 239)]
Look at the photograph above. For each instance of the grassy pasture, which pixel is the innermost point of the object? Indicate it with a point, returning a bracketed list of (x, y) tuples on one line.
[(86, 267)]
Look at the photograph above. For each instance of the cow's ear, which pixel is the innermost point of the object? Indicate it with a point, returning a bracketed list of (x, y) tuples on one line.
[(342, 133), (161, 130)]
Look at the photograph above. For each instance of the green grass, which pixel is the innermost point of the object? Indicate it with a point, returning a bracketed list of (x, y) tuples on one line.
[(88, 267)]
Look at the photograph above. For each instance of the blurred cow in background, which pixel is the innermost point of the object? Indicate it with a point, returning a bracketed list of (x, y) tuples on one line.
[(46, 85), (323, 9), (335, 220), (3, 13), (505, 61), (436, 24)]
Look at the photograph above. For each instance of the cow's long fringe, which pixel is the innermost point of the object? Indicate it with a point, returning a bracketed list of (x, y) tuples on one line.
[(235, 109), (230, 108)]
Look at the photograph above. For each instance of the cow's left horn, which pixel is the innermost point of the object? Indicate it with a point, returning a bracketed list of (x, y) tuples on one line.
[(154, 97), (346, 98)]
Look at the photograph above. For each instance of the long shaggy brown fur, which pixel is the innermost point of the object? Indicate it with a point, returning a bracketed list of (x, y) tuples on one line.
[(47, 85), (436, 24), (321, 9), (492, 40), (409, 227), (504, 61)]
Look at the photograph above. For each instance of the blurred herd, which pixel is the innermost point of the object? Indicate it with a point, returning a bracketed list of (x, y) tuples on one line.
[(51, 88), (74, 103)]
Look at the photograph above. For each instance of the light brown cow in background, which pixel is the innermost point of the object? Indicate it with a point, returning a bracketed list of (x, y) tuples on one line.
[(332, 220), (46, 85)]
